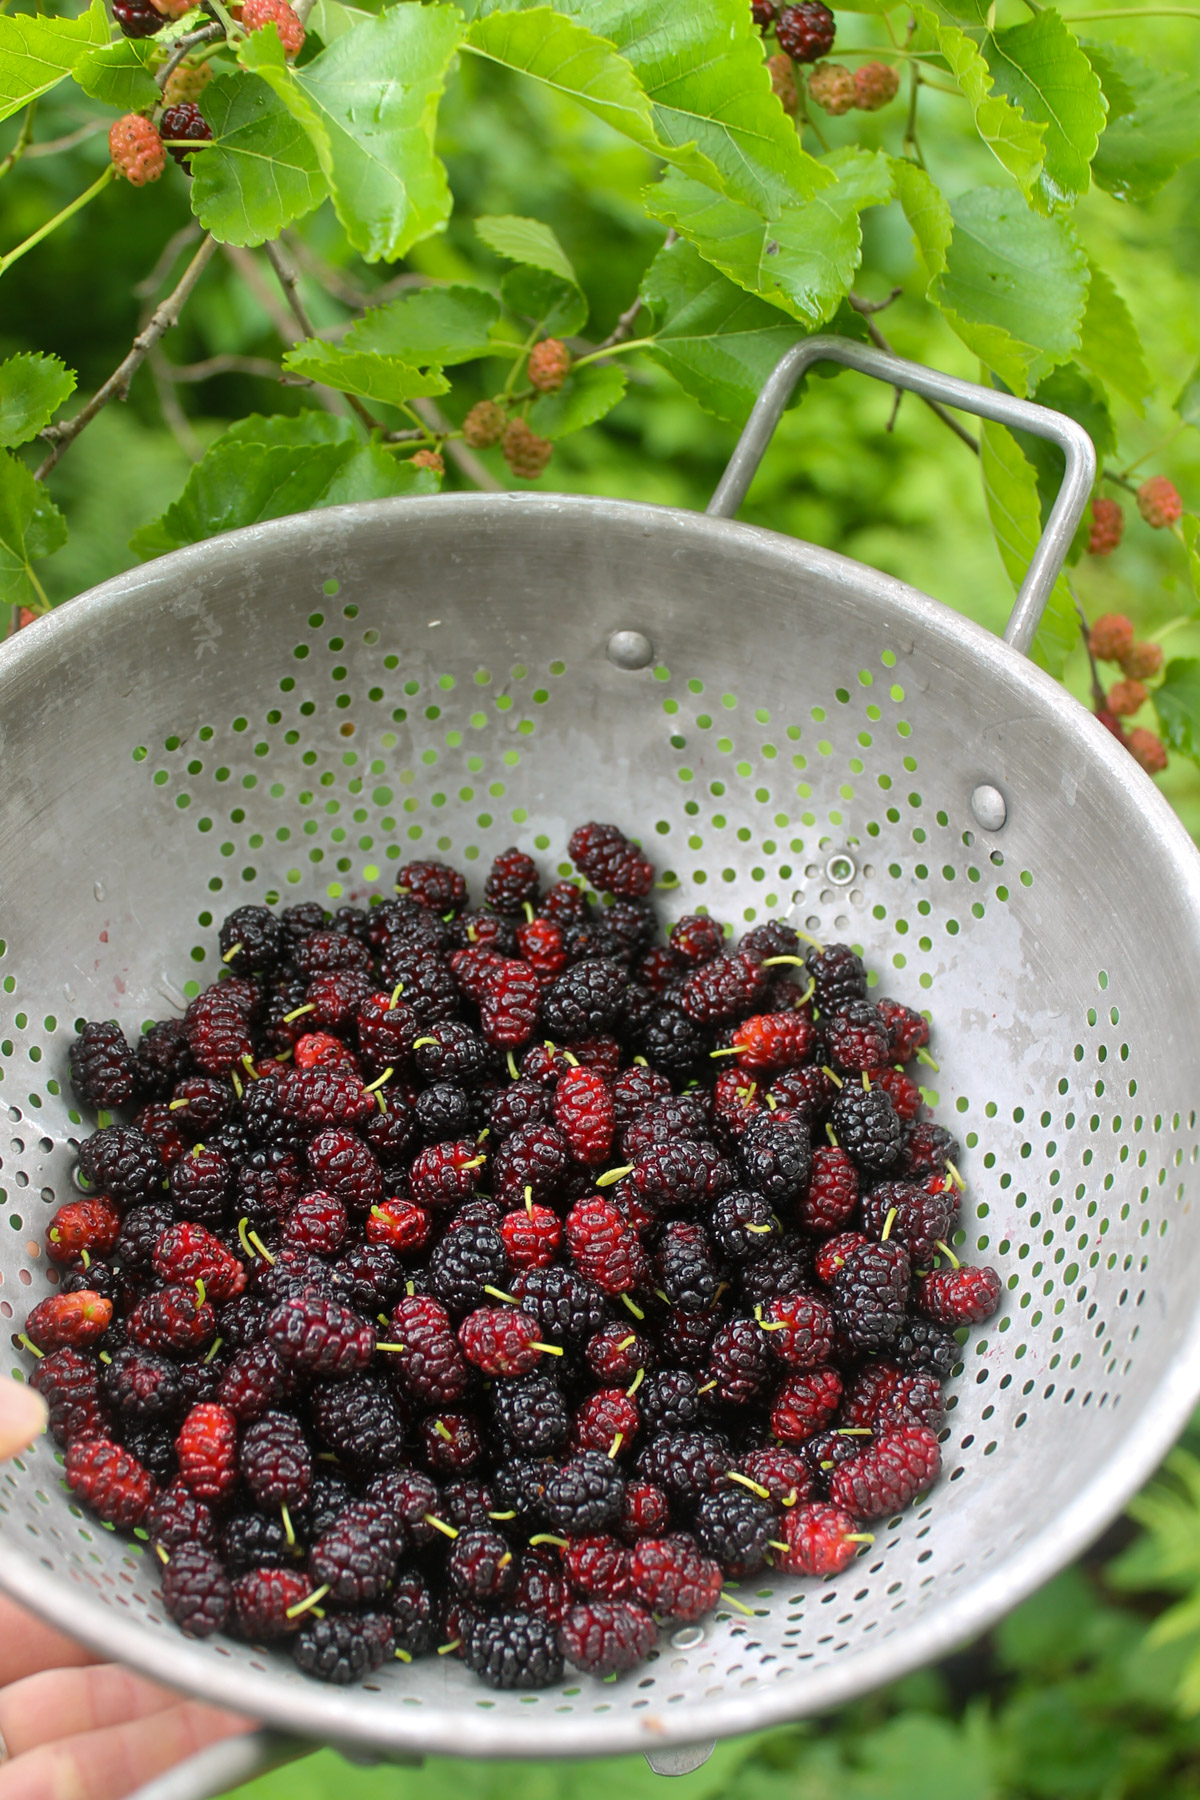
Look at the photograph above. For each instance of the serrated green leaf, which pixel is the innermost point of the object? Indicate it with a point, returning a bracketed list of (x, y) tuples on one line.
[(32, 388), (927, 212), (31, 526), (1067, 390), (262, 171), (802, 257), (383, 378), (1177, 703), (558, 308), (433, 325), (37, 52), (718, 342), (1109, 345), (1010, 490), (1014, 140), (1119, 96), (266, 468), (118, 74), (527, 241), (369, 104), (584, 397), (571, 60), (702, 67), (1040, 67), (1141, 150), (1015, 286)]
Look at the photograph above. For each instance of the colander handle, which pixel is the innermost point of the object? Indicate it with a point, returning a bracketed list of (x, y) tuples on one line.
[(967, 396)]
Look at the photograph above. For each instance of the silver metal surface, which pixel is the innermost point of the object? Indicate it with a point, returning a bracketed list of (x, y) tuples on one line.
[(630, 649), (273, 715), (1006, 409), (989, 807), (683, 1761)]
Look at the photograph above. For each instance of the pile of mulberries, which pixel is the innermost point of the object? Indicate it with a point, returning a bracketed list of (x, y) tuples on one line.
[(503, 1283)]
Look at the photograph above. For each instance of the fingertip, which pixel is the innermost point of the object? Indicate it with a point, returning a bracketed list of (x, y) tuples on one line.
[(22, 1417)]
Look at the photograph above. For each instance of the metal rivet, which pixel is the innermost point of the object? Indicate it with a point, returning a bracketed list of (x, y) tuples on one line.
[(989, 806), (687, 1637), (841, 869), (630, 649)]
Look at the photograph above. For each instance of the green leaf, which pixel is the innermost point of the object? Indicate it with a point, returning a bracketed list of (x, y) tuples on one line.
[(1040, 67), (330, 19), (36, 52), (369, 104), (557, 308), (702, 67), (1143, 148), (927, 212), (31, 526), (1109, 345), (1015, 286), (527, 241), (1010, 489), (32, 388), (433, 325), (572, 61), (802, 257), (1118, 95), (1014, 140), (366, 372), (719, 342), (1177, 703), (262, 172), (1190, 526), (1067, 390), (117, 74), (266, 468), (583, 398)]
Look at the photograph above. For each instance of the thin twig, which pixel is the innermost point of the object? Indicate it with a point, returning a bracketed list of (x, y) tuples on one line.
[(222, 365), (24, 139), (173, 413), (348, 292), (466, 460), (935, 406), (265, 294), (897, 396), (179, 240), (291, 289), (867, 307), (117, 385), (52, 146), (205, 35)]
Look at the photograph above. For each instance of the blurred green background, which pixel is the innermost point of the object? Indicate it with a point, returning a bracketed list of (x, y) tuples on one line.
[(1075, 1694)]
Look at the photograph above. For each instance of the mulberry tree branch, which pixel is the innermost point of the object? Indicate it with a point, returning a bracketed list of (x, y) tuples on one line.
[(61, 437)]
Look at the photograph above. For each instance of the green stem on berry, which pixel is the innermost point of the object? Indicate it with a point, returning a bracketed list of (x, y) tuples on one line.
[(756, 1487), (440, 1525), (887, 1225), (924, 1057), (638, 1379), (947, 1251), (310, 1600), (612, 1175), (836, 1079), (614, 350), (911, 141), (232, 31), (634, 1308), (403, 1655), (373, 1086), (499, 1294), (615, 1446), (547, 1537), (30, 1345), (298, 1012), (512, 1066), (261, 1248), (502, 1515), (955, 1177), (289, 1529), (381, 1346), (730, 1601), (446, 1649)]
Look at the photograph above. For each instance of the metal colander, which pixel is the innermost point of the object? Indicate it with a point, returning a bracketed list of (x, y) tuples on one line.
[(287, 712)]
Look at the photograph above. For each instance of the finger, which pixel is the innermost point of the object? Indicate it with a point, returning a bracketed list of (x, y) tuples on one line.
[(22, 1417), (26, 1645), (114, 1762), (60, 1703)]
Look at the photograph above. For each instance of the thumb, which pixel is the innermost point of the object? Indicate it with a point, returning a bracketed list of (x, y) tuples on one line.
[(22, 1417)]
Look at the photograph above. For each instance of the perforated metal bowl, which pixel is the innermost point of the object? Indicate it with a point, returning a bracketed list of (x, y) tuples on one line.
[(285, 712)]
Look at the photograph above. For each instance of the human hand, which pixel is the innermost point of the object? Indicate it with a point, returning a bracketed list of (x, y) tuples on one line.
[(73, 1727)]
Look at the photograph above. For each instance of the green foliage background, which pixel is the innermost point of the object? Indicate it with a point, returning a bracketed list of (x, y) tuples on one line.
[(1090, 1689)]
